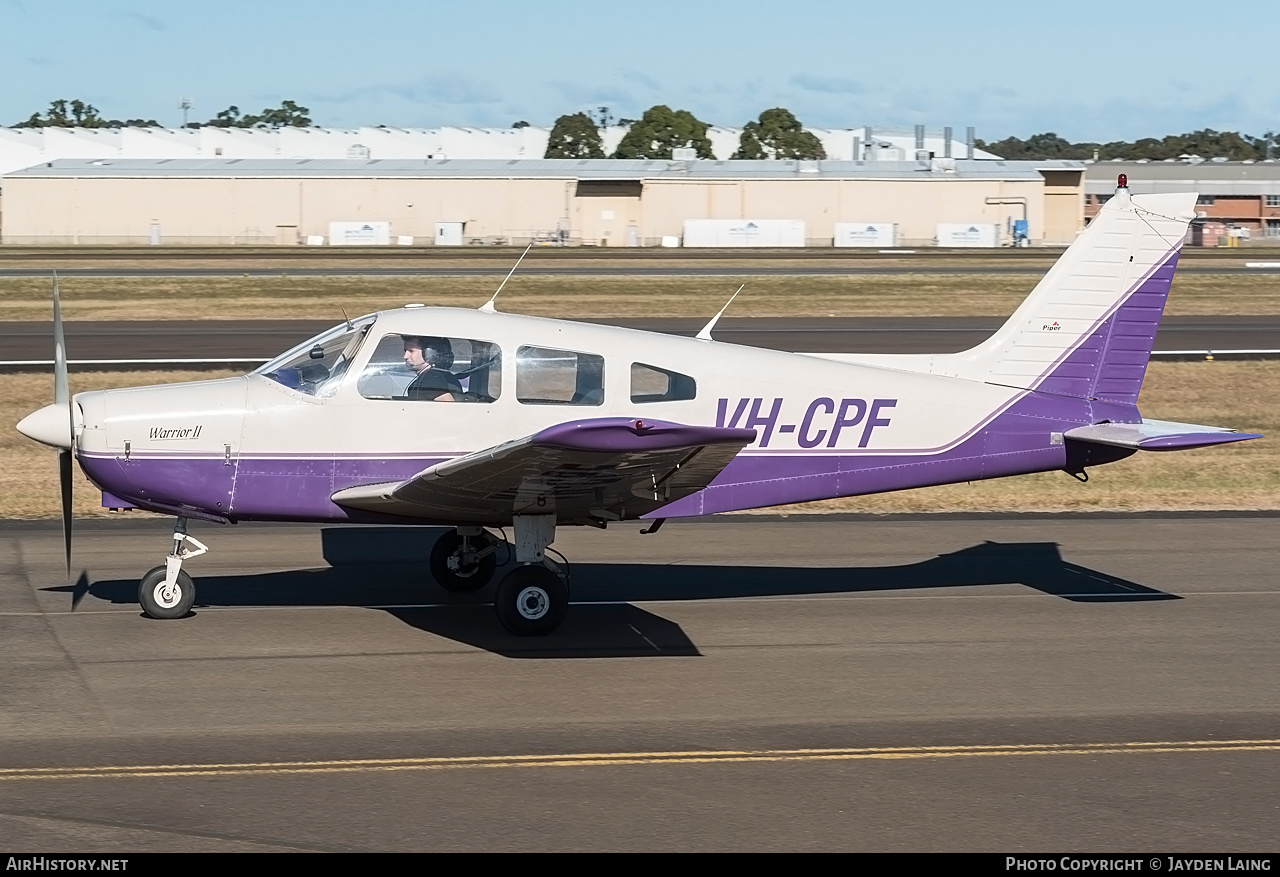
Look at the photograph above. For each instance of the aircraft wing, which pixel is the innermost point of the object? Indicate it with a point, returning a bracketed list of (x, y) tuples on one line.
[(1157, 435), (584, 471)]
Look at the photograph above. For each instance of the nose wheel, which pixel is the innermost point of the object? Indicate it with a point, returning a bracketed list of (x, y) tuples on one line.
[(160, 599), (166, 591)]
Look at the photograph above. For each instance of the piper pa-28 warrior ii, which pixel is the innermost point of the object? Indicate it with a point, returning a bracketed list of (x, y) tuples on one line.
[(479, 420)]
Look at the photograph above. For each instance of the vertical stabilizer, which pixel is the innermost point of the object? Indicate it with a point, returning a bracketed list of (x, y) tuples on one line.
[(1089, 326)]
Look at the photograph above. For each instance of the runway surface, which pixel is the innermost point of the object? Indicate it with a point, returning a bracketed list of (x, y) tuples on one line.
[(262, 339), (1104, 683)]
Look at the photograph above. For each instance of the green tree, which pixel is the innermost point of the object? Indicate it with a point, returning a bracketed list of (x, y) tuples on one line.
[(287, 115), (1206, 143), (228, 118), (778, 134), (1037, 146), (661, 130), (78, 114), (574, 136)]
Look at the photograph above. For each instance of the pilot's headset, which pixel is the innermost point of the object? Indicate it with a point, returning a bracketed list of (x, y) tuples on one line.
[(437, 352)]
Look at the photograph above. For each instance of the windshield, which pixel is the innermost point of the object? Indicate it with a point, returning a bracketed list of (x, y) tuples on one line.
[(316, 367)]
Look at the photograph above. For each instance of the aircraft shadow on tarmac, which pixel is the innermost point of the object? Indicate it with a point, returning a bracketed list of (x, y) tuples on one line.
[(385, 568)]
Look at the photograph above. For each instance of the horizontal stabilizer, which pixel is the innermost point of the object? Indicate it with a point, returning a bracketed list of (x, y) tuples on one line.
[(1157, 435)]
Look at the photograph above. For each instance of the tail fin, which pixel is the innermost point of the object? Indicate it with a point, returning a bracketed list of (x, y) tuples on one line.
[(1088, 328)]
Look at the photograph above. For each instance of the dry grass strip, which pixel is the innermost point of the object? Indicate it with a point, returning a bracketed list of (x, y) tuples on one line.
[(277, 297)]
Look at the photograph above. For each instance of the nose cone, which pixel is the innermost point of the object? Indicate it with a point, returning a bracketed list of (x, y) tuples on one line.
[(50, 425)]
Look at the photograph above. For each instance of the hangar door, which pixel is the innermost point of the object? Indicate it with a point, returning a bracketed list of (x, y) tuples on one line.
[(607, 212)]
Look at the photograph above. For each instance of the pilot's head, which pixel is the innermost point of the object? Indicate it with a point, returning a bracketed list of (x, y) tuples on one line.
[(424, 352)]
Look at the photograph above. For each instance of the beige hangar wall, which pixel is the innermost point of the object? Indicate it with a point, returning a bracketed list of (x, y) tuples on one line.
[(269, 210)]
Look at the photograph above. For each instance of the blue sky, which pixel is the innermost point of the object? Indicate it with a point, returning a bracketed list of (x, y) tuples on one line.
[(1087, 70)]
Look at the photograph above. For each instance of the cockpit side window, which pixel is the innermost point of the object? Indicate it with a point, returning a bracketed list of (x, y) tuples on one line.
[(432, 368), (652, 384), (316, 367)]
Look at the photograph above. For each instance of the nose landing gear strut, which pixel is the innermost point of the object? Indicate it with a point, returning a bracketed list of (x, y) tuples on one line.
[(166, 591)]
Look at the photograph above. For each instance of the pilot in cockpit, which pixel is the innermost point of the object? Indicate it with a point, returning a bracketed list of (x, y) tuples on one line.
[(430, 359)]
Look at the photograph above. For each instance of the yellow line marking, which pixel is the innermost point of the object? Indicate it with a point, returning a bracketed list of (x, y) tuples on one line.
[(610, 759)]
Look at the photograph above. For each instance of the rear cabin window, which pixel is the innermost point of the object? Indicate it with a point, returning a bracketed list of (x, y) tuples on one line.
[(652, 384), (431, 368), (559, 377)]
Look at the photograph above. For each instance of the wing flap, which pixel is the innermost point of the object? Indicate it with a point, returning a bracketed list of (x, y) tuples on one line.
[(1157, 435), (589, 470)]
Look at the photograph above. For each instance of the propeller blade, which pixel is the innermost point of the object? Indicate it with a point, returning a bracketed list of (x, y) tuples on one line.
[(62, 396), (61, 387), (64, 480)]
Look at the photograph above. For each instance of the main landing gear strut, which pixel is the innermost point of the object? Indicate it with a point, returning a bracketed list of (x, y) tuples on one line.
[(166, 591), (532, 598)]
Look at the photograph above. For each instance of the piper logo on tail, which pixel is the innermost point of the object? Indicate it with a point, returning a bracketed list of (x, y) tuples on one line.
[(1055, 326)]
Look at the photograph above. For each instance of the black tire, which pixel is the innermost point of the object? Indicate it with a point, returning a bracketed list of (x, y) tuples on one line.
[(464, 580), (531, 601), (157, 604)]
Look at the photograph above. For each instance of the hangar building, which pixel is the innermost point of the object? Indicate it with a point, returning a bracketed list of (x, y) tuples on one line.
[(590, 202)]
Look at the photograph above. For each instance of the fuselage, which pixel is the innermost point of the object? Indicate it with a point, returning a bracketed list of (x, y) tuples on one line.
[(278, 443)]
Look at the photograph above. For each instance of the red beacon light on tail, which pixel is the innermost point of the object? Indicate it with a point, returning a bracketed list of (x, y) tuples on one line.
[(1122, 181)]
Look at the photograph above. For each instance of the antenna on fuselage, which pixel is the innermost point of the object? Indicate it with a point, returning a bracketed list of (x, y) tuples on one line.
[(705, 334), (490, 306)]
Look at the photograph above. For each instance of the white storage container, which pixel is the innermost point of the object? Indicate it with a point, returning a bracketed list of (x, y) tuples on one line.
[(744, 233)]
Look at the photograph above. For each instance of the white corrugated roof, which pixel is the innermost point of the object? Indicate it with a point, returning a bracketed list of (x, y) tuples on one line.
[(584, 169)]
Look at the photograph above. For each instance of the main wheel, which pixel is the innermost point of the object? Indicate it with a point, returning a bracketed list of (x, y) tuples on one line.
[(161, 602), (462, 571), (531, 601)]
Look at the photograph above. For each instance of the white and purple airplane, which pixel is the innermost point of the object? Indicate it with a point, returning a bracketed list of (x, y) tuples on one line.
[(478, 420)]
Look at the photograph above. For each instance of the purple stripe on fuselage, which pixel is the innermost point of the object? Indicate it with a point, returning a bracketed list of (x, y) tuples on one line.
[(1016, 441)]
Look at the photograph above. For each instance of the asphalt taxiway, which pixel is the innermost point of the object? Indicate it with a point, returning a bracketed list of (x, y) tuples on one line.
[(1026, 683)]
